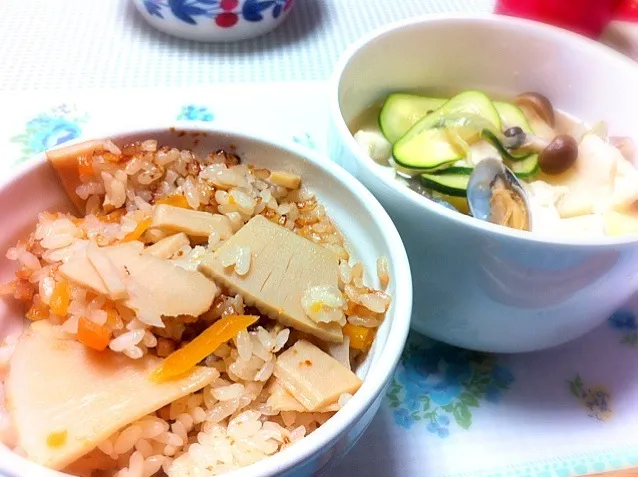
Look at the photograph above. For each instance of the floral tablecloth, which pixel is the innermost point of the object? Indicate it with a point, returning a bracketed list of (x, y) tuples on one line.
[(449, 412)]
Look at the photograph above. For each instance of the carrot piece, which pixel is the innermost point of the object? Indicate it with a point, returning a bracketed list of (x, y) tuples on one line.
[(20, 288), (112, 316), (93, 335), (23, 290), (360, 337), (38, 311), (60, 298), (139, 230), (186, 358), (176, 200), (112, 217), (8, 288), (57, 439), (85, 166), (109, 156)]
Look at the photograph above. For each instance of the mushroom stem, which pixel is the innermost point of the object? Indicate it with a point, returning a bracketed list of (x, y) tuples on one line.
[(524, 142), (534, 143), (515, 138)]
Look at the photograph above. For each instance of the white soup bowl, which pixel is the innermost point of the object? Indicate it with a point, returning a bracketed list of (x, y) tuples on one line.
[(479, 285)]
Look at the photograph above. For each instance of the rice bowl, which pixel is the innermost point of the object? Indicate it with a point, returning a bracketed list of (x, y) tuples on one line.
[(258, 345)]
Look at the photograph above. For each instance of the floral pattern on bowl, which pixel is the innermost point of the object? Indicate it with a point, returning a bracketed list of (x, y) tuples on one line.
[(226, 13), (206, 20)]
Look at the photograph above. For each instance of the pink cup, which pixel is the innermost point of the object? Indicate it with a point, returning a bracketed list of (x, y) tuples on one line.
[(587, 17)]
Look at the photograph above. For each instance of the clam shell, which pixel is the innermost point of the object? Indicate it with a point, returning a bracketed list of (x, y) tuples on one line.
[(479, 189)]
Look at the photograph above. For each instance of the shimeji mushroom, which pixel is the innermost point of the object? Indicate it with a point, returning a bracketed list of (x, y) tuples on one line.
[(538, 104), (559, 155)]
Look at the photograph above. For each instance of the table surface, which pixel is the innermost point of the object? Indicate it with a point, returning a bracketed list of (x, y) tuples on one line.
[(85, 47), (81, 44)]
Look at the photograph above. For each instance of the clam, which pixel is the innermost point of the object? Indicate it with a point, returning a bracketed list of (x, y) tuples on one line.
[(495, 195)]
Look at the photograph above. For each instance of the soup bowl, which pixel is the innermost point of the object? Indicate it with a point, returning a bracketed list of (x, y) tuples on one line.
[(478, 285)]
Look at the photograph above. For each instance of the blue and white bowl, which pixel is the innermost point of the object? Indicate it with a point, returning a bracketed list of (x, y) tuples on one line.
[(214, 20)]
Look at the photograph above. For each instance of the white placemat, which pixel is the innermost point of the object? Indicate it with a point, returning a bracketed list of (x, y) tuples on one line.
[(83, 44), (449, 412)]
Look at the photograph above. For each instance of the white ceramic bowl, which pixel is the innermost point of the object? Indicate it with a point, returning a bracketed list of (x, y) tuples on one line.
[(478, 285), (216, 20), (366, 226)]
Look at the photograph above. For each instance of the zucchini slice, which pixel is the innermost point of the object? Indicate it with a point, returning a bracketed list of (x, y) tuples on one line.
[(512, 116), (401, 111), (426, 145), (449, 184), (503, 151), (454, 180), (525, 168), (462, 170), (429, 150)]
